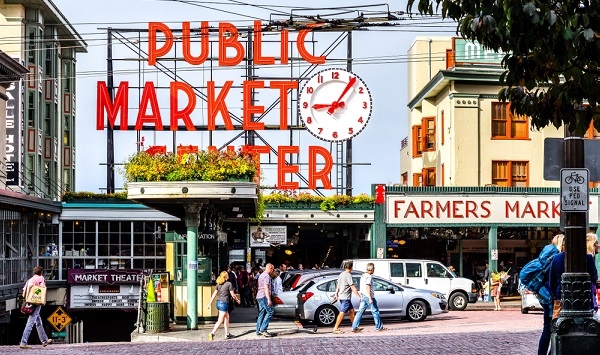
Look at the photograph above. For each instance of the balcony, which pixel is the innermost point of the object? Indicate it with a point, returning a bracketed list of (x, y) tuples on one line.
[(404, 143)]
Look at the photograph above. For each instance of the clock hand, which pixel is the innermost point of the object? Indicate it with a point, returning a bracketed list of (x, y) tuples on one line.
[(320, 106), (336, 104)]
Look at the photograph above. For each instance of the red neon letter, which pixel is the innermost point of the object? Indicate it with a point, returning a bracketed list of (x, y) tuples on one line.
[(214, 106), (313, 174), (284, 168), (149, 95), (112, 108), (284, 46), (185, 113), (258, 58), (154, 52), (283, 87), (230, 41), (185, 32), (304, 53), (249, 110)]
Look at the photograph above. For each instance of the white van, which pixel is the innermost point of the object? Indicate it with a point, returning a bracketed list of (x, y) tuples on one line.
[(423, 274)]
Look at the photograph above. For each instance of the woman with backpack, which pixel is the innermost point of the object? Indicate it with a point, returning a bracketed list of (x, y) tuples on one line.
[(546, 256)]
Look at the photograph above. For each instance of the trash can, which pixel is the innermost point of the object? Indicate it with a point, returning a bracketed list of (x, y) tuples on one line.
[(157, 317)]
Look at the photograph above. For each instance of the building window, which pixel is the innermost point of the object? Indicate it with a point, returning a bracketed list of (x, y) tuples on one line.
[(429, 177), (505, 125), (417, 139), (405, 179), (429, 129), (592, 132), (417, 179), (510, 173)]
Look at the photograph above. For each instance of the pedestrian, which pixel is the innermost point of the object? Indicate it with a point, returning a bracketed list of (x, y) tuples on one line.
[(551, 250), (495, 283), (232, 278), (345, 289), (34, 318), (300, 267), (276, 283), (265, 305), (245, 286), (592, 247), (367, 299), (223, 292)]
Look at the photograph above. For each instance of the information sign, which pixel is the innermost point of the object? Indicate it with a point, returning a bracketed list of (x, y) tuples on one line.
[(59, 319), (574, 195)]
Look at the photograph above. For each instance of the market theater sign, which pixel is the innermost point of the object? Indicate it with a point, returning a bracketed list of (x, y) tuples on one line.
[(508, 209), (230, 53)]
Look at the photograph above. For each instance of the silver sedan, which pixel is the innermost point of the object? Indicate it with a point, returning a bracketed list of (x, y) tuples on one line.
[(315, 301)]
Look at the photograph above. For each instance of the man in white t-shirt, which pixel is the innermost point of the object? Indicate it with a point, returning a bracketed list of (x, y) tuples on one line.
[(367, 298)]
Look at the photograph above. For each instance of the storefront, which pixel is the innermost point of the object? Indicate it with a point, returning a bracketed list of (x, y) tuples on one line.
[(464, 226)]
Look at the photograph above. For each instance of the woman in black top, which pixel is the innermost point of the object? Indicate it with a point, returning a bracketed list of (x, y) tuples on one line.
[(223, 291)]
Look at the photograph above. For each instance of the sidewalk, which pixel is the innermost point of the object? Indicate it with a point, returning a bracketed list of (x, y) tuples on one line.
[(243, 325)]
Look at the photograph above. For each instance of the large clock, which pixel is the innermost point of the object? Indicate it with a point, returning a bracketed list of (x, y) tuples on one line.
[(335, 105)]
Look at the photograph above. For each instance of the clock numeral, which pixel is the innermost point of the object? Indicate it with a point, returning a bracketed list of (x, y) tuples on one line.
[(320, 79), (320, 130), (335, 75), (364, 104), (304, 104), (360, 119), (310, 90), (308, 120), (335, 135), (361, 90), (350, 130)]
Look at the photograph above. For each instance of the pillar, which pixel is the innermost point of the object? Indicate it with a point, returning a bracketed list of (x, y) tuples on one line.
[(492, 246), (378, 231), (192, 221)]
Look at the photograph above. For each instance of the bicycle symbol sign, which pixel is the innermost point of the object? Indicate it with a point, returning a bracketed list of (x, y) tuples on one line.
[(574, 190)]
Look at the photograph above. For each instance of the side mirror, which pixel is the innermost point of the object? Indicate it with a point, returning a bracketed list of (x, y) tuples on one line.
[(390, 289)]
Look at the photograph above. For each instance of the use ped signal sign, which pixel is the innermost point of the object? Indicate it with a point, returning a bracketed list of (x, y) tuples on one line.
[(574, 192), (59, 319)]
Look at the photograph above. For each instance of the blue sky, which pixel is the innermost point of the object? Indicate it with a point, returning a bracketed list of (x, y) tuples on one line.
[(379, 54)]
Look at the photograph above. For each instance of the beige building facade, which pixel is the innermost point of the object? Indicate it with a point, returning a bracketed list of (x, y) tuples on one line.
[(460, 134)]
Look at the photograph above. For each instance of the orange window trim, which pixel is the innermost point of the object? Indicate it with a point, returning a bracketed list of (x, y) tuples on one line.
[(509, 172), (509, 134), (416, 179), (443, 170), (425, 134), (426, 172), (443, 129), (416, 142)]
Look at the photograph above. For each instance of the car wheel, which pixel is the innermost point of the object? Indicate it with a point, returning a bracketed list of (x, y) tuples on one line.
[(416, 311), (325, 315), (458, 302), (524, 310)]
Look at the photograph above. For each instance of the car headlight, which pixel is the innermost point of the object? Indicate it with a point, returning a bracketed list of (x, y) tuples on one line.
[(438, 295)]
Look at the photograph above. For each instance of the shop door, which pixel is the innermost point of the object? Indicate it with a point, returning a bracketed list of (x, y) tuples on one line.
[(414, 275)]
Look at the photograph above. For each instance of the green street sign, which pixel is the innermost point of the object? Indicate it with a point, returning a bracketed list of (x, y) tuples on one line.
[(59, 334)]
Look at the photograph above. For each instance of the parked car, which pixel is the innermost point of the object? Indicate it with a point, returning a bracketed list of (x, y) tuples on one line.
[(424, 274), (529, 301), (284, 303), (315, 301)]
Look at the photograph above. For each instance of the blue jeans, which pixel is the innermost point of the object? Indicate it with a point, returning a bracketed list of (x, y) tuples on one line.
[(34, 318), (265, 313), (364, 303), (544, 343)]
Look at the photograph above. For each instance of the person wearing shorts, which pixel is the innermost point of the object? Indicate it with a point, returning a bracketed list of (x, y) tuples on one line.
[(343, 292), (223, 292)]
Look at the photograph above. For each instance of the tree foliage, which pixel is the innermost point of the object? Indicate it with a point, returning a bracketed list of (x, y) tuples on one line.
[(552, 53)]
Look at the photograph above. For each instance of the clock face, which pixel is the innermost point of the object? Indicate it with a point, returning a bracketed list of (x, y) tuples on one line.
[(335, 105)]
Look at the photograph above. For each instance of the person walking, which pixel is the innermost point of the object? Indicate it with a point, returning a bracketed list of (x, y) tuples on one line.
[(223, 291), (34, 319), (549, 251), (367, 299), (344, 290), (265, 305)]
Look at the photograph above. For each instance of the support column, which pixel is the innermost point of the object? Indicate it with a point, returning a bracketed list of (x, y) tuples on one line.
[(378, 230), (192, 221), (492, 245)]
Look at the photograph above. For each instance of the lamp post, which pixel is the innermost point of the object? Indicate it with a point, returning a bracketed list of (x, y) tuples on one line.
[(575, 330)]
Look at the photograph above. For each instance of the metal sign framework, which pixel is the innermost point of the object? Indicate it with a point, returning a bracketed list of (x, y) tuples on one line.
[(122, 43)]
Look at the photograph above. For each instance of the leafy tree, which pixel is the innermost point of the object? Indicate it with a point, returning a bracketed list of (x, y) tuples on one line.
[(553, 53)]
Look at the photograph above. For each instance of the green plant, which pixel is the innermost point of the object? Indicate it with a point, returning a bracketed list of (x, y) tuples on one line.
[(277, 198), (363, 198), (260, 209), (332, 202), (67, 196)]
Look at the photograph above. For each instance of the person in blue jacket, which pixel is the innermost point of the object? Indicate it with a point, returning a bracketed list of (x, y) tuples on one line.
[(549, 251)]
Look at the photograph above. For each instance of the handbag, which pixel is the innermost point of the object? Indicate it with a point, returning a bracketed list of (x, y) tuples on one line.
[(36, 295), (27, 308)]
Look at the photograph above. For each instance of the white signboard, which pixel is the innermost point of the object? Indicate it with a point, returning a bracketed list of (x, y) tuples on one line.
[(574, 190), (103, 296), (494, 254), (265, 236), (479, 209)]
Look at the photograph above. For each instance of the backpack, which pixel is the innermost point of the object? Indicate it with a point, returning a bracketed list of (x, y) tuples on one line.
[(534, 274)]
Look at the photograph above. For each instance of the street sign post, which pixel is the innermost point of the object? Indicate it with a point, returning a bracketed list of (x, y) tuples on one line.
[(574, 192), (59, 319)]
